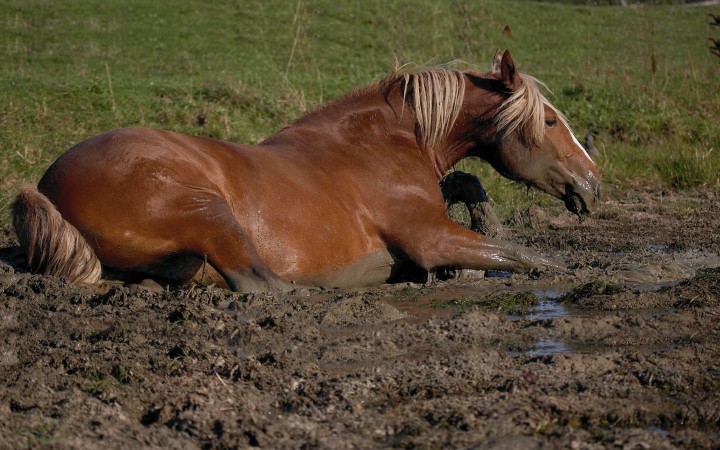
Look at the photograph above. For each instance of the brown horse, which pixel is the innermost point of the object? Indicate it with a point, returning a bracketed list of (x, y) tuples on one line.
[(339, 198)]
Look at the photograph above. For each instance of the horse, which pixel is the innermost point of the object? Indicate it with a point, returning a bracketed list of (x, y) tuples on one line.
[(344, 196)]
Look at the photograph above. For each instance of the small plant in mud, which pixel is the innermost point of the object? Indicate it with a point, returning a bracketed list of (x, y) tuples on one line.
[(179, 317), (509, 302), (411, 294), (457, 302), (517, 302), (599, 287), (95, 383), (177, 354), (122, 373)]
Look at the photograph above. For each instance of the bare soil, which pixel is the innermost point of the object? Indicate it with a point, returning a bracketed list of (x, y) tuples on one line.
[(621, 351)]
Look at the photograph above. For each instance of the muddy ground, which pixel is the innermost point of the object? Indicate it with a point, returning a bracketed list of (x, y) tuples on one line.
[(622, 351)]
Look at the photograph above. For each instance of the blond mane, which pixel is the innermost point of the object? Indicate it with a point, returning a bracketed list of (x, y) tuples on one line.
[(437, 97), (524, 111)]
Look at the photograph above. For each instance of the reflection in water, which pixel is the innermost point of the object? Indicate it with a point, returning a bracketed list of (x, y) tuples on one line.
[(549, 307), (544, 347)]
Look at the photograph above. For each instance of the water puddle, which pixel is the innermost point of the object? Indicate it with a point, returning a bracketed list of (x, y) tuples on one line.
[(549, 307), (546, 347), (422, 303)]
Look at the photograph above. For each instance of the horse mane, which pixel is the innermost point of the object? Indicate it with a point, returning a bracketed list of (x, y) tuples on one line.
[(524, 111), (436, 97)]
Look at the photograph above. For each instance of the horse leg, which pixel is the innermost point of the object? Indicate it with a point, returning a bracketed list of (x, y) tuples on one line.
[(230, 252), (465, 188), (442, 242), (461, 187), (238, 263)]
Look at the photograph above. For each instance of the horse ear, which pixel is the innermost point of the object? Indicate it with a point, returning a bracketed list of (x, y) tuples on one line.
[(508, 74), (496, 62)]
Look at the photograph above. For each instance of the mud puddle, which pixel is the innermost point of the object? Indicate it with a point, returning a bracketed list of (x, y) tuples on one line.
[(541, 303)]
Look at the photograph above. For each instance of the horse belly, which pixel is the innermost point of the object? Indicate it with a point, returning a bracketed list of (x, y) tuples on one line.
[(305, 257), (313, 231), (328, 265), (369, 270)]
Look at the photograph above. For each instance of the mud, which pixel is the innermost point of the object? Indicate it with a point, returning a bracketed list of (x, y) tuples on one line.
[(620, 351)]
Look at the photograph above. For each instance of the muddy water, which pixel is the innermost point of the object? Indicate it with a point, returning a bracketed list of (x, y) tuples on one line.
[(620, 351)]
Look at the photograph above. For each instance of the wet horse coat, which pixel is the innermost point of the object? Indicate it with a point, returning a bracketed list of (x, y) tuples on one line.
[(340, 197)]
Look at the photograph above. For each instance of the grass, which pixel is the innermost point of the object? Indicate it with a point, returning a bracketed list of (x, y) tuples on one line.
[(94, 383), (510, 302), (641, 79)]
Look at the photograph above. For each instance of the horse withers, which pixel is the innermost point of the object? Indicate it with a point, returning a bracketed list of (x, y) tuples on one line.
[(342, 197)]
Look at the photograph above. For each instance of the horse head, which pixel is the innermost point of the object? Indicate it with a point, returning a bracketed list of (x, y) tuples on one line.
[(528, 140)]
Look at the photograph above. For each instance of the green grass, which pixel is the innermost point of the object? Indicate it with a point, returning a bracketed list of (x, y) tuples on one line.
[(510, 302), (599, 287), (241, 70), (94, 383)]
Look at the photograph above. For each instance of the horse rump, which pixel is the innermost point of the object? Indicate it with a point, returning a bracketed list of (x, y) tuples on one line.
[(52, 246)]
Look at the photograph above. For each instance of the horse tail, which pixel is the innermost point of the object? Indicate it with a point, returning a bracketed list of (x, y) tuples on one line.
[(51, 244)]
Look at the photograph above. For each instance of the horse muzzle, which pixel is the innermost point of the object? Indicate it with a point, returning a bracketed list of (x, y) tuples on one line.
[(581, 196)]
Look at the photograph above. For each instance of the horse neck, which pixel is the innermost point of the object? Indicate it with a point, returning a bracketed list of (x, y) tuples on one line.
[(365, 116), (473, 133), (381, 119)]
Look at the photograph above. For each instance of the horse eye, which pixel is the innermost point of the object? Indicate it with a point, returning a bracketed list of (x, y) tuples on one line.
[(551, 122)]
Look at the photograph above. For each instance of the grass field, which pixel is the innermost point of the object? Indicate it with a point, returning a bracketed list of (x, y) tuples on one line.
[(641, 79)]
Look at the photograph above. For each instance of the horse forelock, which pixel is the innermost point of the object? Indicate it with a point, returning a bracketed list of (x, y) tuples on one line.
[(524, 111)]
